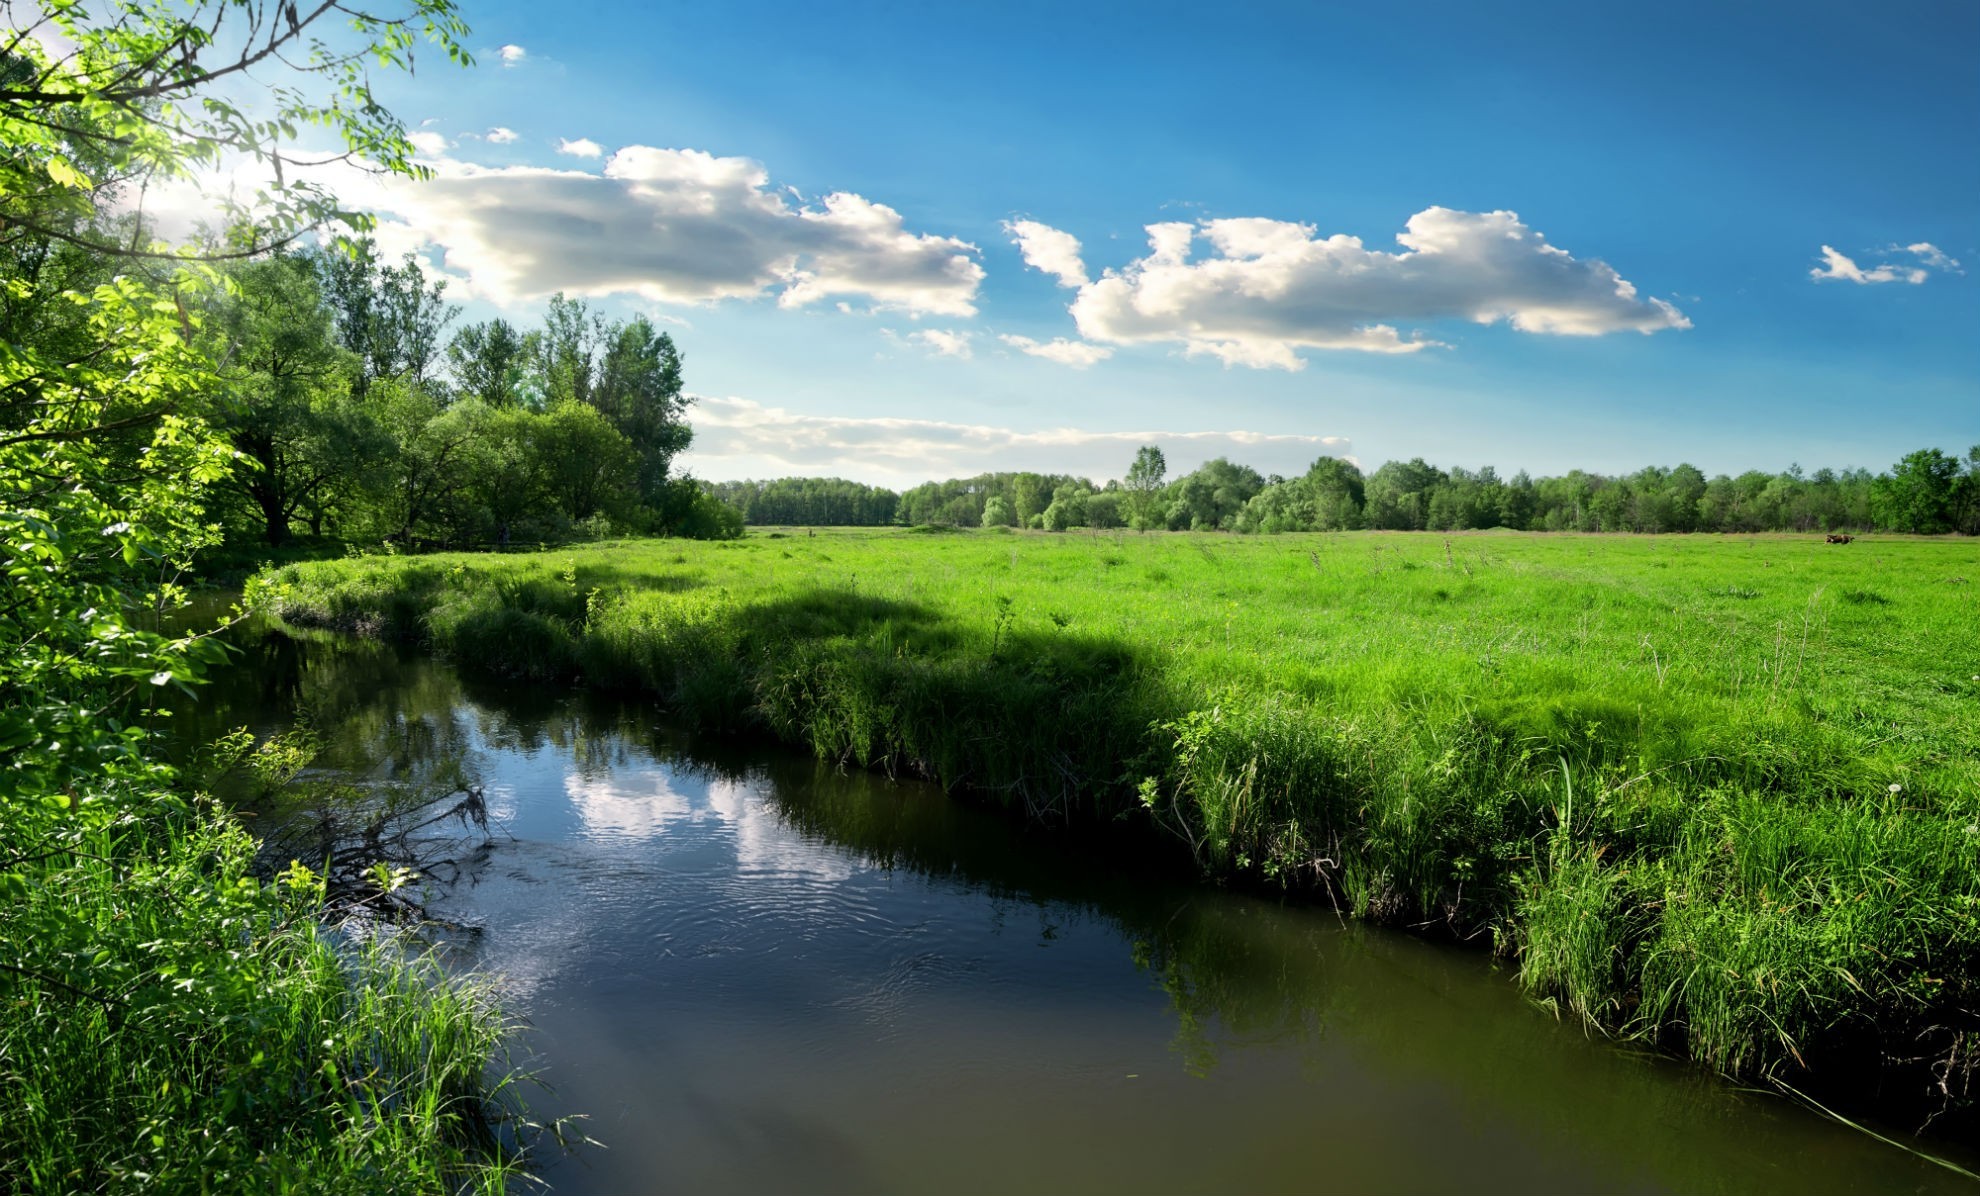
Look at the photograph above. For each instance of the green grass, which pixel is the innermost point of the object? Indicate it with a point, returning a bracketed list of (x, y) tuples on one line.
[(170, 1024), (1720, 793)]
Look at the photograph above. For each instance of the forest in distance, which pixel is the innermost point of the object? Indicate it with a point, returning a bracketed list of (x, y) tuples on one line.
[(1928, 492)]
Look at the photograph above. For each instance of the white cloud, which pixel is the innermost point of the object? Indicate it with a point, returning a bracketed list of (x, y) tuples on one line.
[(512, 55), (428, 143), (1934, 257), (1273, 288), (501, 136), (671, 226), (737, 438), (950, 342), (1840, 267), (583, 147), (1077, 354), (1048, 249)]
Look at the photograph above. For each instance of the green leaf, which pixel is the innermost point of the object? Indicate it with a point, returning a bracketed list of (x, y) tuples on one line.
[(62, 172)]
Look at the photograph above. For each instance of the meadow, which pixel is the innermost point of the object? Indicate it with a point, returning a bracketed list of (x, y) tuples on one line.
[(1718, 794)]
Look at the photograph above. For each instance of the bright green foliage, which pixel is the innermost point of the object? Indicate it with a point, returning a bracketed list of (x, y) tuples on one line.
[(1658, 771), (958, 502), (324, 396), (487, 362), (96, 525), (134, 95), (174, 1024), (1143, 484), (997, 512), (167, 1021)]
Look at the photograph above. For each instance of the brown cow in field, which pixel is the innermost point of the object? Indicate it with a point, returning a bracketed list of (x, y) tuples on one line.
[(1835, 538)]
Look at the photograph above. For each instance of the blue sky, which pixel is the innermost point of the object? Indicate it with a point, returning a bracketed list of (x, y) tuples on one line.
[(1676, 172)]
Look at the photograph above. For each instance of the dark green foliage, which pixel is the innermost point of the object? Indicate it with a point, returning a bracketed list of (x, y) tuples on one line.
[(286, 402), (330, 399), (1210, 498), (1920, 494), (487, 362), (959, 502), (813, 502), (1927, 492)]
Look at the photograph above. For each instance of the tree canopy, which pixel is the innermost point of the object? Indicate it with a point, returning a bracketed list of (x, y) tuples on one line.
[(1928, 491)]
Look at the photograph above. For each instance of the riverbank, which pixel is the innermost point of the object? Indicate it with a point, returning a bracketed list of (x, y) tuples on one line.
[(1720, 794), (171, 1022)]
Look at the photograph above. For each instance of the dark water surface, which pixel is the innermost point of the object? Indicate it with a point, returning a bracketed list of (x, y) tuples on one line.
[(757, 975)]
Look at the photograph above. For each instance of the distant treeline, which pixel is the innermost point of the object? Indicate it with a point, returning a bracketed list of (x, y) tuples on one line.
[(1929, 491), (813, 502)]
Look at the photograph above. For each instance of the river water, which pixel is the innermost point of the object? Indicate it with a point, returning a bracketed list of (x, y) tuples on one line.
[(752, 973)]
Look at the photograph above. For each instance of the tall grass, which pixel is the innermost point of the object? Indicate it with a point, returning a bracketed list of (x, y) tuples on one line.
[(169, 1023), (1704, 790)]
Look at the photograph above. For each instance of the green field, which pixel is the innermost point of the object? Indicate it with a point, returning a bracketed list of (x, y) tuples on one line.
[(1718, 793)]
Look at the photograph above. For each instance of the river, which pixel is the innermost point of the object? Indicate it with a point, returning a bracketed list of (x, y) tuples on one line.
[(751, 972)]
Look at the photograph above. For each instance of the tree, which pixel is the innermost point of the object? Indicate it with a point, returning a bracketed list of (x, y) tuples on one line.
[(1210, 498), (407, 318), (587, 467), (1143, 485), (1917, 495), (284, 399), (487, 362), (1966, 496), (1103, 509), (638, 388), (1399, 494), (433, 459), (102, 109), (1068, 507), (1281, 507), (562, 354), (1337, 492), (1031, 493), (103, 456), (997, 512)]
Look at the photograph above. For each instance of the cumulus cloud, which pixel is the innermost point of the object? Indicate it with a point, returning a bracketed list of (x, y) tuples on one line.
[(583, 147), (1048, 249), (671, 226), (429, 143), (1077, 354), (1270, 288), (736, 438), (1840, 267), (512, 55), (501, 136)]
